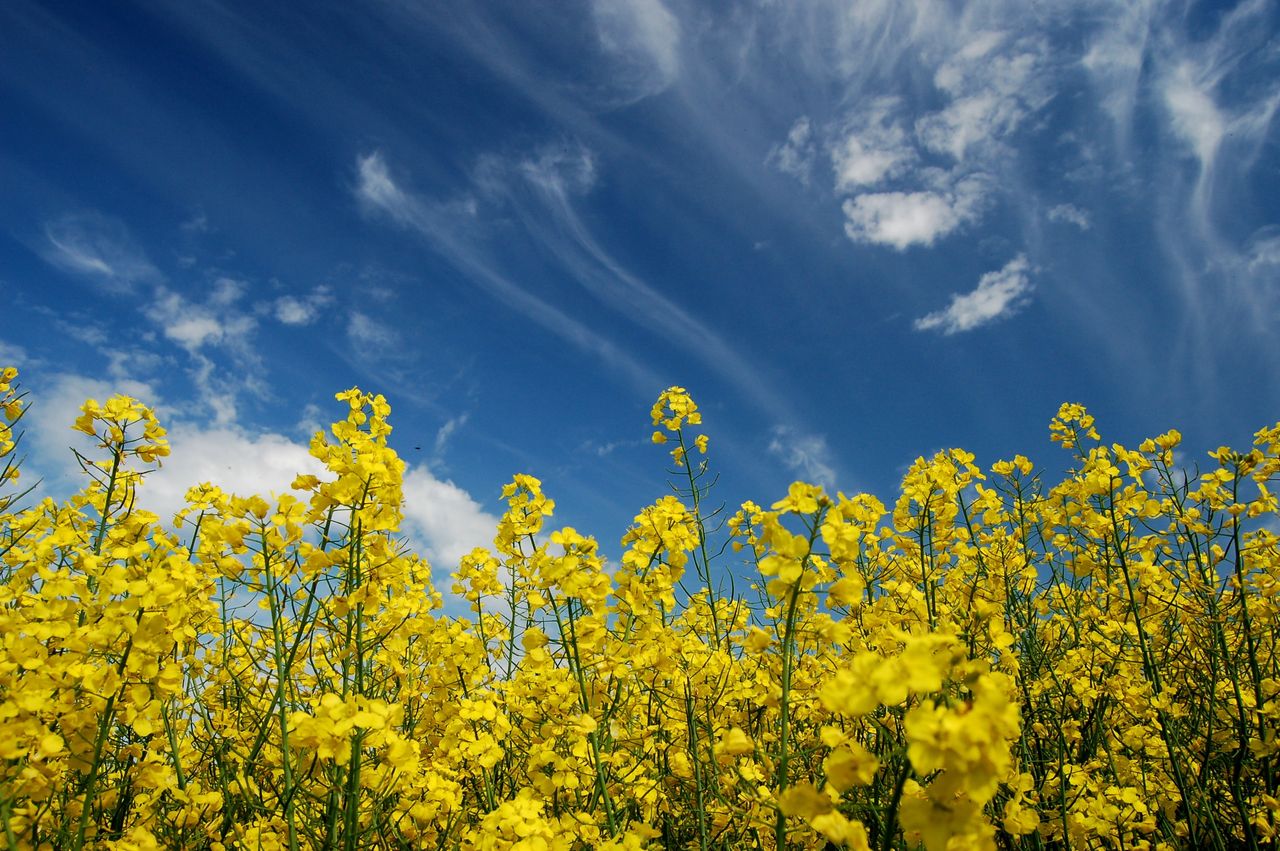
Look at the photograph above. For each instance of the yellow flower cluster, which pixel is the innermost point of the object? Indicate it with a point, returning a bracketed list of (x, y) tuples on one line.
[(11, 410), (993, 661)]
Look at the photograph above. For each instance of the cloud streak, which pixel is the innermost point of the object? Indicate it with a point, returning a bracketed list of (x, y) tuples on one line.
[(998, 295), (553, 178), (96, 246), (379, 194), (598, 272)]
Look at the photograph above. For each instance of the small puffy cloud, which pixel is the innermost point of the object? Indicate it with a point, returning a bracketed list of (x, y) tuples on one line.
[(226, 292), (444, 520), (795, 155), (1070, 214), (886, 153), (192, 332), (208, 330), (301, 310), (96, 246), (873, 150), (993, 87), (904, 219), (805, 455), (1000, 293), (194, 325), (294, 311)]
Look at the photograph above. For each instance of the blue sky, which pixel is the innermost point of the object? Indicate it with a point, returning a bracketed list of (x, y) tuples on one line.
[(858, 232)]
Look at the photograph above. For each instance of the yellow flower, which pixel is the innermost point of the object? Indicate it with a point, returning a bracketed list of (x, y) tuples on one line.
[(735, 742)]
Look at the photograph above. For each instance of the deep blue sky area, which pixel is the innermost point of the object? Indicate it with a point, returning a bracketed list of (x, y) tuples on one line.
[(857, 231)]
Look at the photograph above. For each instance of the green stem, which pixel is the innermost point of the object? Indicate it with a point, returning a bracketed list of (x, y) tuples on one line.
[(282, 679)]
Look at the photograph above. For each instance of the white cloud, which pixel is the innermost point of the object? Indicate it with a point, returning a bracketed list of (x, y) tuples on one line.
[(999, 293), (886, 150), (52, 409), (904, 219), (643, 38), (561, 169), (230, 457), (446, 431), (445, 520), (992, 92), (448, 228), (1070, 214), (293, 311), (806, 455), (442, 517), (1263, 251), (604, 450), (209, 329), (96, 246), (873, 149), (11, 354), (195, 326), (375, 190), (369, 335), (302, 310), (795, 155), (226, 291), (192, 332), (1193, 113), (1114, 59)]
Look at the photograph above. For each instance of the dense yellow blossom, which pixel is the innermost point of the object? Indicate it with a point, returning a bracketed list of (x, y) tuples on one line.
[(990, 661)]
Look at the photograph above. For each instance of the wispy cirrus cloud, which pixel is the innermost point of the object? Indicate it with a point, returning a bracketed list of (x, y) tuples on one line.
[(543, 189), (805, 455), (98, 247), (1203, 99), (445, 432), (559, 176), (642, 38), (441, 224), (999, 294), (1216, 91), (371, 337)]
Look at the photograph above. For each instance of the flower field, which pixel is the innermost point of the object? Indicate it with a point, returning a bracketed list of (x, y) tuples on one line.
[(996, 660)]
